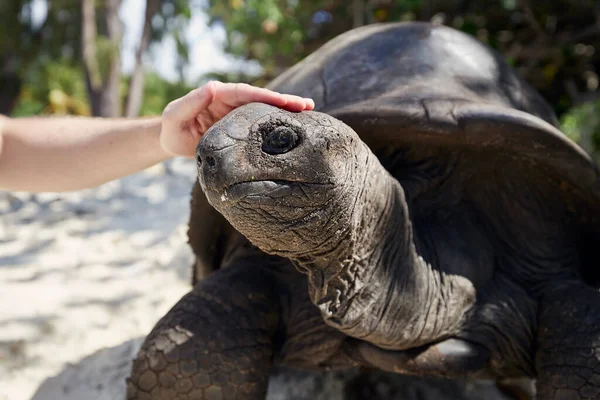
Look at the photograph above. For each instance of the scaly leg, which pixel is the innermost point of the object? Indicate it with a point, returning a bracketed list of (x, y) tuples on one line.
[(215, 343), (568, 356)]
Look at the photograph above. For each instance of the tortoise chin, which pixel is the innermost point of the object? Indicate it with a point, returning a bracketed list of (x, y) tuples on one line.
[(276, 193)]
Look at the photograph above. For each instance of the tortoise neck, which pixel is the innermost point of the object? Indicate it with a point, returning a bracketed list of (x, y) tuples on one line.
[(374, 285), (354, 276)]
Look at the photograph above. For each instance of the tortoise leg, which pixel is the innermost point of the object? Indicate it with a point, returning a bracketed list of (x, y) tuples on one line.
[(568, 356), (215, 343)]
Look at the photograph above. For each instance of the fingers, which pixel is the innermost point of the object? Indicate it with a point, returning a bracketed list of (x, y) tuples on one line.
[(295, 103), (238, 94), (233, 94)]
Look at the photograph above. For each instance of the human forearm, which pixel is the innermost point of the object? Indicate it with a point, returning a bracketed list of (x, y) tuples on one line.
[(57, 154), (70, 153)]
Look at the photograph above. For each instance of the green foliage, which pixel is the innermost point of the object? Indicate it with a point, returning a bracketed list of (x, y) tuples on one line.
[(582, 125), (53, 87), (35, 57), (265, 30), (279, 33), (58, 88), (159, 92)]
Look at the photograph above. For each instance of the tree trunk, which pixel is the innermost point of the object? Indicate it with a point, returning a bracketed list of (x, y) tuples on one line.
[(136, 86), (93, 79), (104, 92), (112, 96)]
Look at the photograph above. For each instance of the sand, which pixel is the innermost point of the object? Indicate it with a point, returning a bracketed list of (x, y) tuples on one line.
[(84, 277), (90, 269)]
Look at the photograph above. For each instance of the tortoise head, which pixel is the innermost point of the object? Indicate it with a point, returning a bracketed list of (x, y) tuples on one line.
[(287, 181)]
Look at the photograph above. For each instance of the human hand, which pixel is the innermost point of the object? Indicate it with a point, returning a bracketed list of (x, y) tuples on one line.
[(186, 119)]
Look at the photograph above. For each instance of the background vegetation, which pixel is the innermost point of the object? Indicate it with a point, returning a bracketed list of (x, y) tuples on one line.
[(70, 62)]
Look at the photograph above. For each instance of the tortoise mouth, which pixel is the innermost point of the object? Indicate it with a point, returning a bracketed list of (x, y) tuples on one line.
[(275, 192), (257, 189)]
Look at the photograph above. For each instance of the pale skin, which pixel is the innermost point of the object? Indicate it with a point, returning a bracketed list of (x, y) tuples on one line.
[(58, 154)]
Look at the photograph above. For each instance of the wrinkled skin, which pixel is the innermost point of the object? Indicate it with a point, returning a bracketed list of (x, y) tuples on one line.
[(325, 201), (423, 226)]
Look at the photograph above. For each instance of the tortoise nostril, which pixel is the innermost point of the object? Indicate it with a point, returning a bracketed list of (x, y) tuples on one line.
[(198, 160), (210, 161)]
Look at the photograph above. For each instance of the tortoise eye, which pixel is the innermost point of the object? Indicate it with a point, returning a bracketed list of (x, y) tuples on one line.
[(280, 140)]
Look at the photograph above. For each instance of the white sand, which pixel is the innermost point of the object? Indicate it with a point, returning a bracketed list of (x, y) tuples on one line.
[(86, 270)]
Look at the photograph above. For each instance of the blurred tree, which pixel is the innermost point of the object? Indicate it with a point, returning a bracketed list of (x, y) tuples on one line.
[(83, 36), (101, 57), (19, 41), (57, 88), (54, 87), (136, 86), (161, 17), (159, 92)]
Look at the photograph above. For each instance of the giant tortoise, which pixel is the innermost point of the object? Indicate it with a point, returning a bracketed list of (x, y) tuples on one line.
[(428, 219)]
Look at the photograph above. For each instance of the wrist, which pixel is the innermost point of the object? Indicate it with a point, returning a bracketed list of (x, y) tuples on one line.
[(153, 127)]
